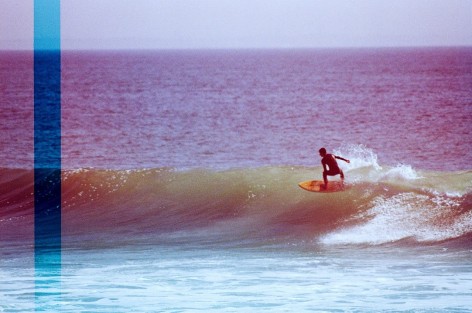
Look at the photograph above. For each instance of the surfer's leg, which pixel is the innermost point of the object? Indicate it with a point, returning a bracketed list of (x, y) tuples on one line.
[(325, 178), (342, 174)]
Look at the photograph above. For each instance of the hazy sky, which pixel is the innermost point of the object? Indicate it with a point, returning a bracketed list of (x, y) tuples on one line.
[(137, 24)]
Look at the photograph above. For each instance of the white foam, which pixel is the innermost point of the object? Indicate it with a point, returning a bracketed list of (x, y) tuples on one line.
[(401, 172), (406, 215)]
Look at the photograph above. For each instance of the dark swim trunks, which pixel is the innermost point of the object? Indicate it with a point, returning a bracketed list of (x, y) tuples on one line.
[(330, 161), (332, 172)]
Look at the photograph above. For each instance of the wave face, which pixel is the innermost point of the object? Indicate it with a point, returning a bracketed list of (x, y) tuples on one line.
[(250, 206)]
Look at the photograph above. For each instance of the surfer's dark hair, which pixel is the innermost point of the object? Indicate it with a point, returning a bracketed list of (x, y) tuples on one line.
[(323, 150)]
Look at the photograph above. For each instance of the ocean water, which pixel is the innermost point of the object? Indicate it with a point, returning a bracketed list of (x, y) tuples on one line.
[(180, 172)]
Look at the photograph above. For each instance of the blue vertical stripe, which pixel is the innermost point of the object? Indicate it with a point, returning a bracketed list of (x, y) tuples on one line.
[(47, 22), (47, 151)]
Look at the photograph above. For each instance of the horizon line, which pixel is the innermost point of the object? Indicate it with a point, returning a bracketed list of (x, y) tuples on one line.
[(243, 48)]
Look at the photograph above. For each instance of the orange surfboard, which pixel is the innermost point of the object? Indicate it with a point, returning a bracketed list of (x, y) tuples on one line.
[(315, 186)]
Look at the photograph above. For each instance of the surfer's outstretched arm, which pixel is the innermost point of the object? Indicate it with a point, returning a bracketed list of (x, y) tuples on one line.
[(341, 158)]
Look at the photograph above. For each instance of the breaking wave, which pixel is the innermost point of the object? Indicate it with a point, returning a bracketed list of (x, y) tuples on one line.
[(249, 206)]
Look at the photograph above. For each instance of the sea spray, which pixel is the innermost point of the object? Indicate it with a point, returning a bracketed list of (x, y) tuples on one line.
[(360, 156)]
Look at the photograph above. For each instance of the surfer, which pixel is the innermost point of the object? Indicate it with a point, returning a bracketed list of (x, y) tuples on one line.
[(330, 166)]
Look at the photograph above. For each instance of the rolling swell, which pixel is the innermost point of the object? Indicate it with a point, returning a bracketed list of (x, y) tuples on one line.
[(247, 206)]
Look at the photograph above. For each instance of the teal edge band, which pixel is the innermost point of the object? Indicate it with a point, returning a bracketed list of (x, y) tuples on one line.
[(47, 152)]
